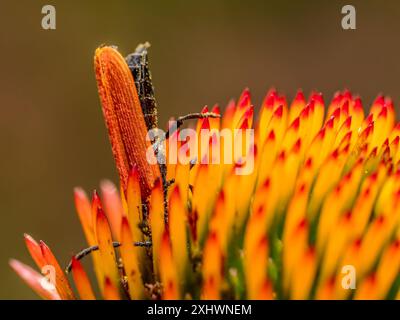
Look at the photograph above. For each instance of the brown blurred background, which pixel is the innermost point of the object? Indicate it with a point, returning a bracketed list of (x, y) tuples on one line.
[(52, 134)]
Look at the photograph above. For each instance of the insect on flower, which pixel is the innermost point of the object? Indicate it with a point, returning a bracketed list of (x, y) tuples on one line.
[(323, 198), (139, 67)]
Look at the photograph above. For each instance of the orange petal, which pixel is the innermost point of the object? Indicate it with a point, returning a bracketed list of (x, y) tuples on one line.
[(303, 275), (110, 291), (106, 248), (129, 255), (61, 281), (298, 104), (223, 218), (82, 281), (112, 207), (124, 118), (388, 268), (266, 291), (177, 227), (326, 291), (212, 268), (97, 263), (34, 251), (156, 217), (134, 204), (228, 114), (83, 208), (168, 272), (293, 248), (368, 289), (256, 260), (182, 180)]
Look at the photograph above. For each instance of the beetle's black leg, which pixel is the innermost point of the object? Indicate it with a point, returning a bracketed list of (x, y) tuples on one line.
[(80, 255), (170, 182)]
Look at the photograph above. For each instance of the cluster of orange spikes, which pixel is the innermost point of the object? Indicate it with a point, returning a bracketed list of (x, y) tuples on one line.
[(324, 194)]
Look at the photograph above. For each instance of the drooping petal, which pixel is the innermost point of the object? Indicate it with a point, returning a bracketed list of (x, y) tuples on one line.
[(34, 251), (61, 281), (35, 280)]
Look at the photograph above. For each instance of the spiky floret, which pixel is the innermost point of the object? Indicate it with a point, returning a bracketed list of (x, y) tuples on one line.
[(324, 194)]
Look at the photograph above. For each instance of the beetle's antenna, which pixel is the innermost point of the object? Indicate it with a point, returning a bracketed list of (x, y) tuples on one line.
[(80, 255)]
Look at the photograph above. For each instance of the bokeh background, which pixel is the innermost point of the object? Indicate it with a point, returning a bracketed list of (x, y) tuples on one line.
[(52, 135)]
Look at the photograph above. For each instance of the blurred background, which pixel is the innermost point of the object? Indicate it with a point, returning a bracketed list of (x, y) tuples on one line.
[(52, 135)]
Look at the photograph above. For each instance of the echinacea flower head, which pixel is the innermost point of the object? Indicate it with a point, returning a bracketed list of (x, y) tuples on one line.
[(316, 217)]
